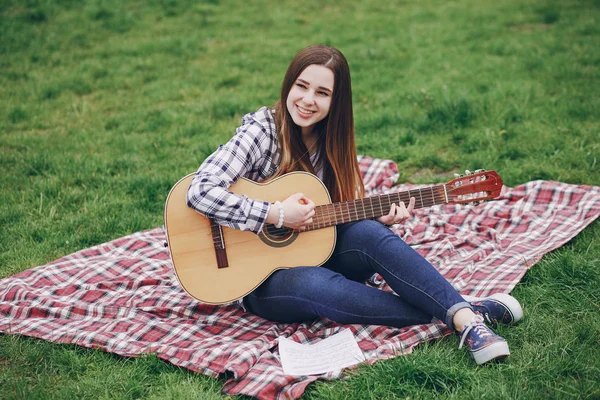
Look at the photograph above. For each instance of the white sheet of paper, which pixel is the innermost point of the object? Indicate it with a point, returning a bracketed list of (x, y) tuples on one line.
[(332, 354)]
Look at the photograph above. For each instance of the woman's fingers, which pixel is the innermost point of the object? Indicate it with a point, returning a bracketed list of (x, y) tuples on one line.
[(411, 205), (392, 214), (388, 219), (400, 213), (403, 212), (298, 211)]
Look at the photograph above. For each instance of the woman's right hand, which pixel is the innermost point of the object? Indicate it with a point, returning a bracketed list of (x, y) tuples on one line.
[(298, 212)]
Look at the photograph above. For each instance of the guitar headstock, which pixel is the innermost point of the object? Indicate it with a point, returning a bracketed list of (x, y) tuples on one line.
[(474, 187)]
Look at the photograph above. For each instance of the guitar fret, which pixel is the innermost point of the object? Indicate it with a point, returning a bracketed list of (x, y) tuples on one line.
[(318, 216), (331, 220), (335, 213), (350, 206), (347, 207), (349, 210), (362, 203)]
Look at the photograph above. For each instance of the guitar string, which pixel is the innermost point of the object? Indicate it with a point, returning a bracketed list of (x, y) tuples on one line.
[(329, 213), (327, 216), (429, 196), (378, 206)]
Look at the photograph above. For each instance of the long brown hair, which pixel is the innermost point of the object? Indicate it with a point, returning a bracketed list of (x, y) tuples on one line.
[(337, 154)]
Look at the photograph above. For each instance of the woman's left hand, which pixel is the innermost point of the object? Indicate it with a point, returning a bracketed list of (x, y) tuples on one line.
[(398, 214)]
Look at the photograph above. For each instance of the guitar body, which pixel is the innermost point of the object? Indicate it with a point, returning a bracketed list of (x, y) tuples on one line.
[(251, 258)]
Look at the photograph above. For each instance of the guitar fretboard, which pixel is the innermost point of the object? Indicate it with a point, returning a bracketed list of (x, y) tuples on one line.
[(373, 207)]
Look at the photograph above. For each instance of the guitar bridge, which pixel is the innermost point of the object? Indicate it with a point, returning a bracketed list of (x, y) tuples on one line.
[(219, 244)]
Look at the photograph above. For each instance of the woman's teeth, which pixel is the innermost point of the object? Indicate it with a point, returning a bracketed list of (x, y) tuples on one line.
[(305, 111)]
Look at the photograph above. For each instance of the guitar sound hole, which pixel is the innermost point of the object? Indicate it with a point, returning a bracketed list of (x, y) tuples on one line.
[(277, 237)]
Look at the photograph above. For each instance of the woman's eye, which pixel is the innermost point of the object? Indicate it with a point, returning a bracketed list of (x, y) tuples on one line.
[(324, 93), (301, 85)]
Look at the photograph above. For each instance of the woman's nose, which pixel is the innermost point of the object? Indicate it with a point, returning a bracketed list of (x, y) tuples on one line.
[(309, 97)]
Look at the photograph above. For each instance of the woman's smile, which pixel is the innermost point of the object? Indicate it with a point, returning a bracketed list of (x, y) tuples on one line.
[(304, 112)]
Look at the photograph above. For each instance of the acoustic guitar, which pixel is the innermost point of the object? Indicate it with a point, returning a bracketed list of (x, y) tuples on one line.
[(217, 265)]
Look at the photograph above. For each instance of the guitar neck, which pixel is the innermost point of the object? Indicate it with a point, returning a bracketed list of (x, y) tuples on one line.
[(373, 207)]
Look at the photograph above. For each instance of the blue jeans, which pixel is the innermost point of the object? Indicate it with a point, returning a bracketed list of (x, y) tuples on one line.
[(337, 291)]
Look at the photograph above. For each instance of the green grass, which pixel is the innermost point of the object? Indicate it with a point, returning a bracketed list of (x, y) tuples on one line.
[(105, 104)]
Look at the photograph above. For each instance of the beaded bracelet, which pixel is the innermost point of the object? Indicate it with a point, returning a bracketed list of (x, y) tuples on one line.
[(280, 222)]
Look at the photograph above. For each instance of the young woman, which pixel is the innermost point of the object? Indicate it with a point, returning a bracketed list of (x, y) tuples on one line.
[(311, 128)]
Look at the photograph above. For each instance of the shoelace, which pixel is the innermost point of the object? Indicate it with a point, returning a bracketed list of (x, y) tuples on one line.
[(477, 324)]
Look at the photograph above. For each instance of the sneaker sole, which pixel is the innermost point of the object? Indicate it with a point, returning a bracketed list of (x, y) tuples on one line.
[(507, 301), (496, 351)]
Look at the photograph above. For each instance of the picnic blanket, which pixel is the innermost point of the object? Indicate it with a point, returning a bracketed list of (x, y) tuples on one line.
[(123, 297)]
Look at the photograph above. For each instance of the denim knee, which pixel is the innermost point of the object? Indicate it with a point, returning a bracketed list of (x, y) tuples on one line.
[(367, 231)]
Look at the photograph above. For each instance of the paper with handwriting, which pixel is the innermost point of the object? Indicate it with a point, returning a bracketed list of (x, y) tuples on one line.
[(331, 354)]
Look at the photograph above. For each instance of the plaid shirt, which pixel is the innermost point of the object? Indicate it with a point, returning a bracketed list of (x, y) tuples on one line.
[(252, 153)]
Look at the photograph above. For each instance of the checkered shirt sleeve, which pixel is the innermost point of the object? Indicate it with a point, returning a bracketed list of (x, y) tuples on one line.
[(251, 153)]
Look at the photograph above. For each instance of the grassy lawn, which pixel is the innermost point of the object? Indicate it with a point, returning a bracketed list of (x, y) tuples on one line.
[(104, 105)]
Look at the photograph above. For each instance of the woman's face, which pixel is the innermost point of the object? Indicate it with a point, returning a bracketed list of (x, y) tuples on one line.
[(309, 99)]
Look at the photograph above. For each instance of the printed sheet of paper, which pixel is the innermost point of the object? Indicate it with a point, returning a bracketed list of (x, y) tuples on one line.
[(332, 354)]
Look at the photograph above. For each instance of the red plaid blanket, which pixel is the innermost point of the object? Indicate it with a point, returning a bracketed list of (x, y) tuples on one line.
[(123, 297)]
